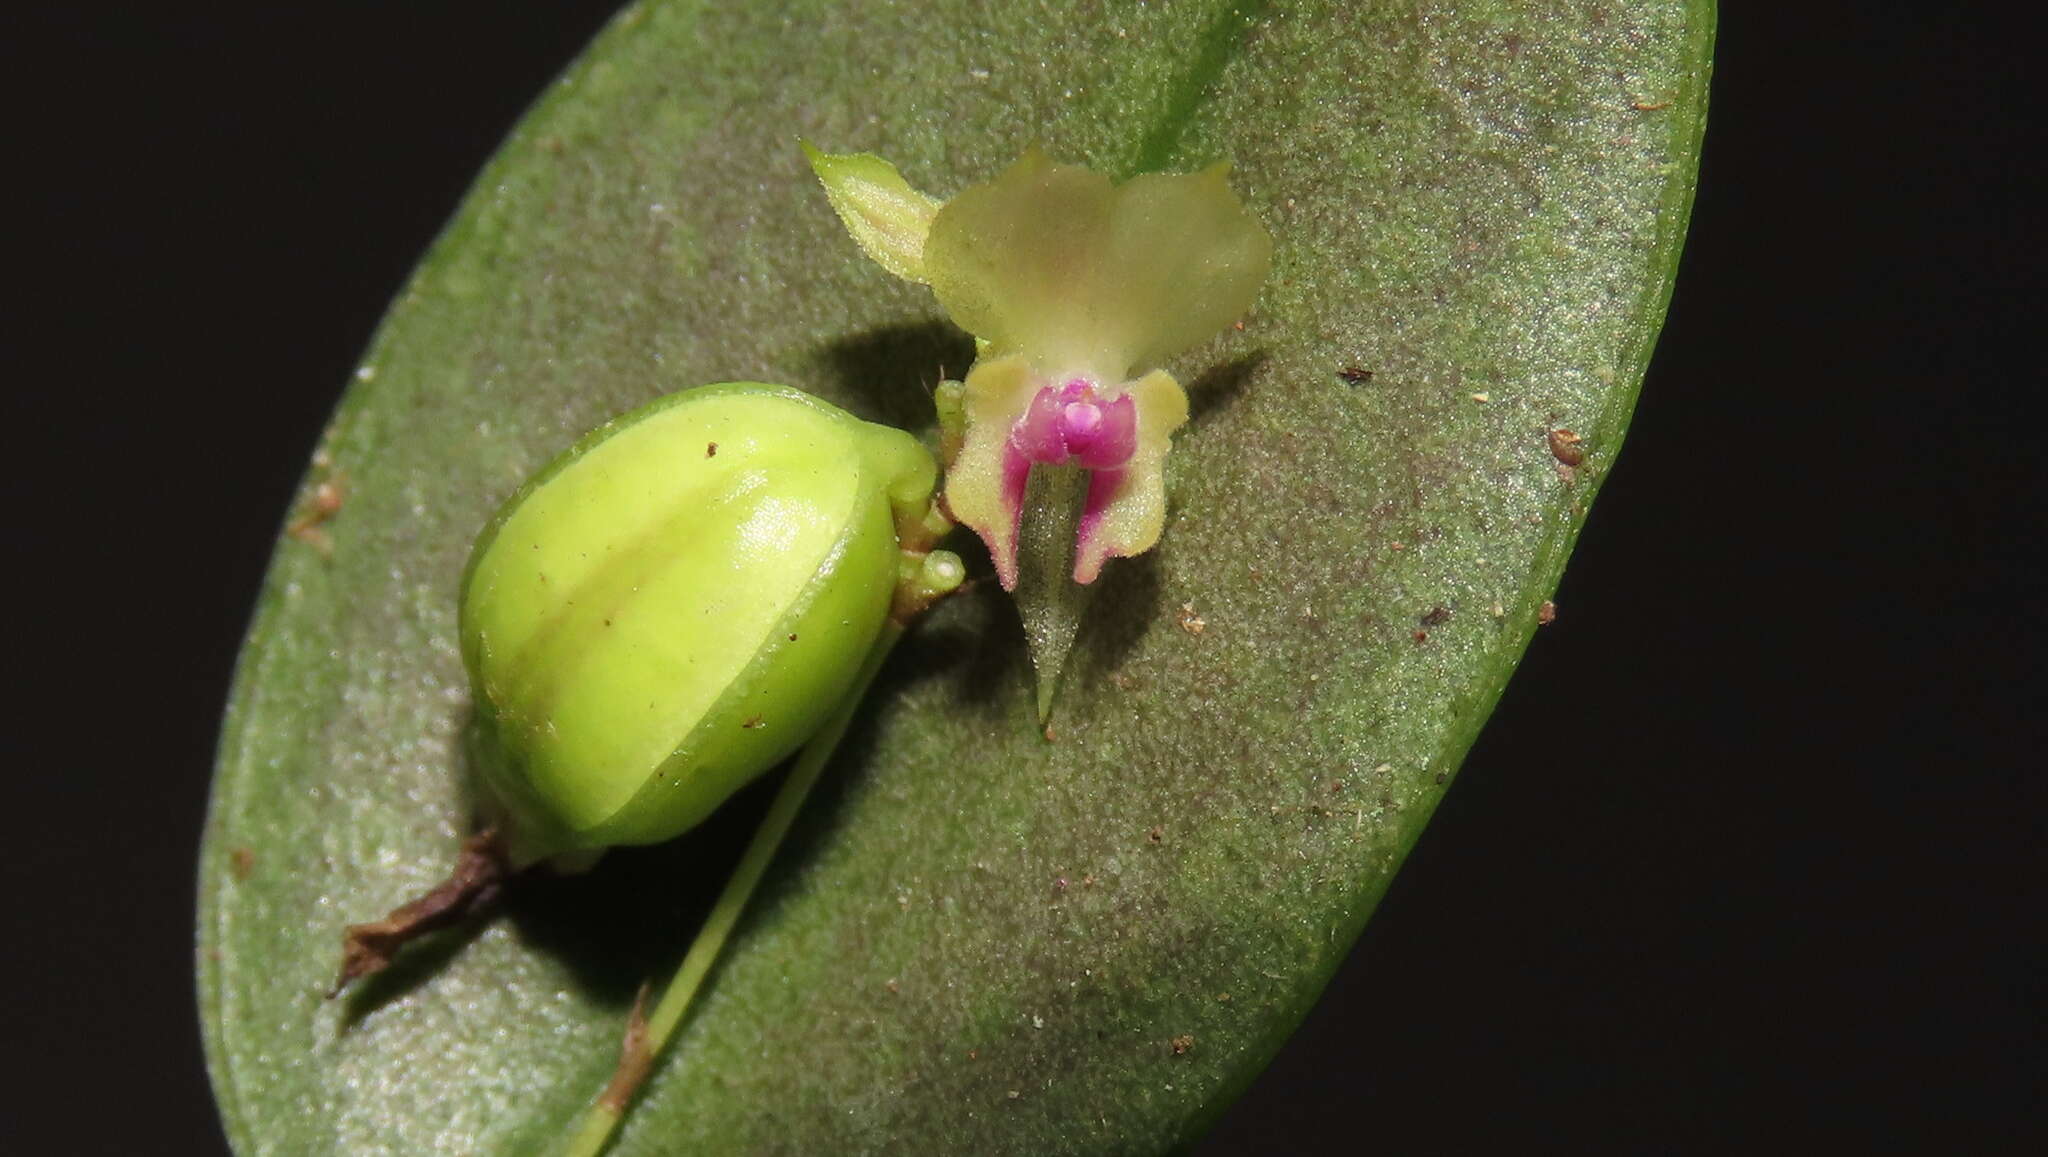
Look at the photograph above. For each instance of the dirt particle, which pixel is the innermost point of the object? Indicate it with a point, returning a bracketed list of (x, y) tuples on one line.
[(1156, 835), (242, 862), (1398, 545), (1059, 883), (792, 636), (1440, 777), (1088, 881), (1546, 614), (973, 1054), (751, 722), (1354, 376), (1482, 398), (892, 986), (1191, 622), (711, 449), (321, 504), (1182, 1043), (1223, 998), (1437, 616), (1420, 637), (1050, 735), (1565, 446)]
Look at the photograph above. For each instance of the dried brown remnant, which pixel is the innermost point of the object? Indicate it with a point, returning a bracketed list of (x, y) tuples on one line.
[(1566, 446), (1546, 614), (711, 449), (321, 504), (1157, 834), (892, 986), (1647, 106), (751, 722), (636, 1060), (479, 874), (1183, 1042), (1354, 376), (1436, 616), (1420, 637), (242, 863), (1189, 621)]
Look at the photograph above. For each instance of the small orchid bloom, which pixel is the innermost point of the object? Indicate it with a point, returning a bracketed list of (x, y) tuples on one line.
[(1076, 290)]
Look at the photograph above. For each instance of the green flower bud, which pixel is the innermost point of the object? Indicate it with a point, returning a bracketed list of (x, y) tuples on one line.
[(678, 602)]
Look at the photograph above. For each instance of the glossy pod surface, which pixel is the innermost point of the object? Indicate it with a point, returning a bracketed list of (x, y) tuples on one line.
[(674, 605)]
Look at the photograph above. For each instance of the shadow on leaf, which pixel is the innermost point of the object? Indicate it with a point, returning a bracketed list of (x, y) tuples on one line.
[(894, 368)]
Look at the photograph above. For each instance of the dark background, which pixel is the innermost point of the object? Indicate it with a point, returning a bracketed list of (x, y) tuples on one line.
[(1747, 858)]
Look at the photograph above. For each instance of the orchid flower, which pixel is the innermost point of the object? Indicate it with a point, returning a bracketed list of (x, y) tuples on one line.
[(1076, 291)]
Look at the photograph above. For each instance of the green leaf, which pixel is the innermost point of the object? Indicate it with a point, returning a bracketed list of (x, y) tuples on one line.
[(976, 940)]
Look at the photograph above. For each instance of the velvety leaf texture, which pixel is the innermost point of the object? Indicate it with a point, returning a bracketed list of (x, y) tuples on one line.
[(977, 940)]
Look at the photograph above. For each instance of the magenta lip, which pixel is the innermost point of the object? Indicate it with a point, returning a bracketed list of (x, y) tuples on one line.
[(1070, 424)]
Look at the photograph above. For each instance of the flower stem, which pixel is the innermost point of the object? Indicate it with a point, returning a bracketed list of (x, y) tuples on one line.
[(599, 1121)]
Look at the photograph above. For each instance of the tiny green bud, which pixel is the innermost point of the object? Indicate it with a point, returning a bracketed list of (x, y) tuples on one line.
[(678, 602)]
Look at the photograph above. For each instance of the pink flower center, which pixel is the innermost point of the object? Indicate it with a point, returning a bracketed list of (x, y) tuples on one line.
[(1071, 424)]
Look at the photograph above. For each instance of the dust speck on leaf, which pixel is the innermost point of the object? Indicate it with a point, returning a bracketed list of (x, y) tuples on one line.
[(1156, 835), (1182, 1043), (1546, 614), (1189, 621)]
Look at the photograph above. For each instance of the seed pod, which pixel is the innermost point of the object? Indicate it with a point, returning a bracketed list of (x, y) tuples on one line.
[(674, 605)]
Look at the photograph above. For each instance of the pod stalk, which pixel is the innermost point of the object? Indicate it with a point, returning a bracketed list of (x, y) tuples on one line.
[(647, 1039)]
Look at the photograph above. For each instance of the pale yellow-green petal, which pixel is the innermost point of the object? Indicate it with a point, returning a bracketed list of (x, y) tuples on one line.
[(996, 392), (1053, 262), (1184, 261), (1132, 522)]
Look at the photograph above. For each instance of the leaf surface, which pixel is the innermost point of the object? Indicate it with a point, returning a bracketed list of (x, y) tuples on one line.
[(977, 940)]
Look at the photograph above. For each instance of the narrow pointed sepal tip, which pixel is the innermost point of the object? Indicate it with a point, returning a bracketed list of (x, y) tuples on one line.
[(886, 217)]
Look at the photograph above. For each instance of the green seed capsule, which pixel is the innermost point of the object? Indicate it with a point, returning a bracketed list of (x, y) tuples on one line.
[(674, 605)]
